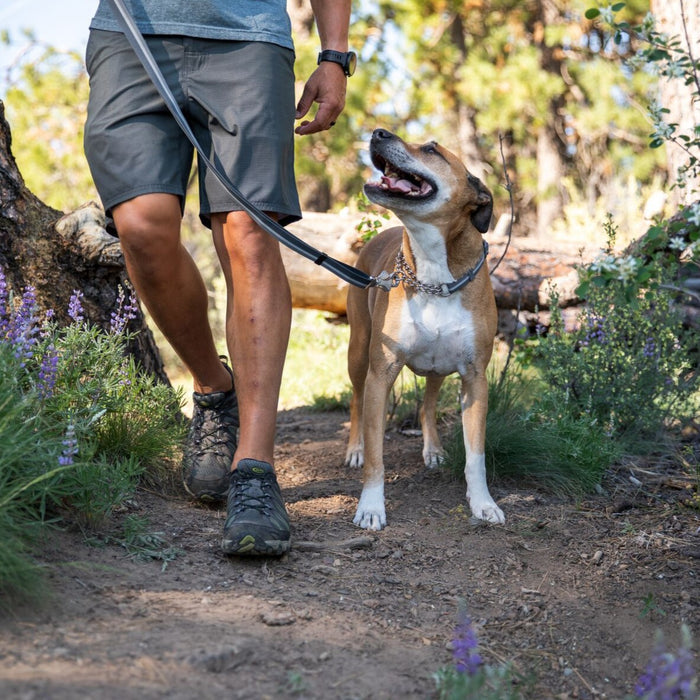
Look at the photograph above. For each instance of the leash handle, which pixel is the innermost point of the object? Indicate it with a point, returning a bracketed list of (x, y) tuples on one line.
[(346, 272)]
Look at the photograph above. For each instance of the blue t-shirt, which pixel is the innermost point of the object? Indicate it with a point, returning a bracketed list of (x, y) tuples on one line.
[(238, 20)]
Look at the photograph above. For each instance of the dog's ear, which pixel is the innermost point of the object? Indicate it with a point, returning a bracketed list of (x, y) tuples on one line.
[(481, 216)]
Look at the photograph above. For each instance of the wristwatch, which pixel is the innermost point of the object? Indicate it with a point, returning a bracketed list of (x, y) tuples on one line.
[(347, 61)]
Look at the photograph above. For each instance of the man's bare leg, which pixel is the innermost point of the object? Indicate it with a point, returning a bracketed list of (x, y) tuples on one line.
[(168, 282), (258, 320)]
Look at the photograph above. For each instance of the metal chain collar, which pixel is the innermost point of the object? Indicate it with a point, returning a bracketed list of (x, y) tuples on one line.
[(404, 274)]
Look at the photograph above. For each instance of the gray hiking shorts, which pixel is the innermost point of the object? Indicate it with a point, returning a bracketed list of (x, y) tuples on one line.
[(238, 97)]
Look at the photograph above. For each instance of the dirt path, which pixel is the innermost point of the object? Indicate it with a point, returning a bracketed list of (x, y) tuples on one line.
[(572, 592)]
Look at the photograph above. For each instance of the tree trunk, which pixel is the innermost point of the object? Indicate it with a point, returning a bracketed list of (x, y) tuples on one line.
[(680, 18), (58, 255), (550, 170), (550, 163)]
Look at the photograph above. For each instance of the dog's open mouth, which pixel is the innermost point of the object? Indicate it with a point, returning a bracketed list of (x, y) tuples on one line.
[(400, 182)]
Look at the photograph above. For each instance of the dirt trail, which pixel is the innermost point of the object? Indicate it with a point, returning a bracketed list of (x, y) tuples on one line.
[(571, 592)]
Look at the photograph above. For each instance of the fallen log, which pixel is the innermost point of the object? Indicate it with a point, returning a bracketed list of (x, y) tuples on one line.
[(522, 280)]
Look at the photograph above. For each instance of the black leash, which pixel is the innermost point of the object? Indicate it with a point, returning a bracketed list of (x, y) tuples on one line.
[(346, 272)]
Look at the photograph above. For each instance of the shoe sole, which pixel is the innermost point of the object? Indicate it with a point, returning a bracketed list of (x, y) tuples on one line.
[(249, 546), (207, 496)]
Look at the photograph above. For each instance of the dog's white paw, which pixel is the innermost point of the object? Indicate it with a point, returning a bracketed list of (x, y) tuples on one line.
[(433, 458), (371, 514), (354, 458), (370, 521), (486, 509)]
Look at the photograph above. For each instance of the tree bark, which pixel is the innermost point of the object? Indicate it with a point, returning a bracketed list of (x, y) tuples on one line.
[(58, 255), (550, 162)]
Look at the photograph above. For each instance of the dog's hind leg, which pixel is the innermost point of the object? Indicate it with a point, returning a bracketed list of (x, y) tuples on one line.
[(358, 364), (432, 447), (474, 400)]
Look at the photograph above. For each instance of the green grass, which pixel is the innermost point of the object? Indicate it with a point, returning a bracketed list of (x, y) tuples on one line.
[(315, 371), (529, 439)]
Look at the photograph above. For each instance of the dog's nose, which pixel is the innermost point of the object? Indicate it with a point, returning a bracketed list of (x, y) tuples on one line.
[(382, 134)]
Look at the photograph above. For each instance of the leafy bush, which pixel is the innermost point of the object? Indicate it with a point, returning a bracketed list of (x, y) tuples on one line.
[(79, 426), (529, 437), (628, 367)]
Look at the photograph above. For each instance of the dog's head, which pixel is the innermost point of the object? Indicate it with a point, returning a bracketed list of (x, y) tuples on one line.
[(424, 181)]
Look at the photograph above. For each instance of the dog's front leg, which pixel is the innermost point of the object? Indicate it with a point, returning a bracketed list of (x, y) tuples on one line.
[(371, 512), (474, 402)]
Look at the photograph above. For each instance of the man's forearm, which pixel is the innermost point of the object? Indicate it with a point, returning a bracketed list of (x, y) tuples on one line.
[(332, 22)]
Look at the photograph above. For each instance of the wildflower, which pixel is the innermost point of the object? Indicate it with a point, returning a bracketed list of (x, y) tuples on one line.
[(70, 447), (692, 215), (648, 24), (669, 676), (675, 69), (22, 328), (649, 350), (126, 311), (3, 304), (47, 373), (627, 268), (596, 330), (604, 263), (75, 306), (464, 647), (678, 243)]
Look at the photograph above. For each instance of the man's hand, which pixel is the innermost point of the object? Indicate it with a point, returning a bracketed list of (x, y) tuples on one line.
[(326, 86)]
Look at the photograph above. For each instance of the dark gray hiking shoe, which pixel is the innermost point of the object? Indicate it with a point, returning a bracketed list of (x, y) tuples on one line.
[(211, 442), (257, 521)]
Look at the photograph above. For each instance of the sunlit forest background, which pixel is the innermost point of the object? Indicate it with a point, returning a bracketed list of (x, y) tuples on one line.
[(531, 93), (534, 79)]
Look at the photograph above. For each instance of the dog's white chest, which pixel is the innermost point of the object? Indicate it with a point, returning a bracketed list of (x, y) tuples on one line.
[(436, 335)]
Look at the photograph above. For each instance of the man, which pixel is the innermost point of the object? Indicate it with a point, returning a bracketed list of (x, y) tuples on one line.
[(229, 64)]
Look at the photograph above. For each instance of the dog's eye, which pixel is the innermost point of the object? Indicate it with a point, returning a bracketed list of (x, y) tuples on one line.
[(430, 148)]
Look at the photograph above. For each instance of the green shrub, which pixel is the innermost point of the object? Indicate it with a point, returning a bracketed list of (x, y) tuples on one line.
[(629, 366), (529, 438), (79, 426)]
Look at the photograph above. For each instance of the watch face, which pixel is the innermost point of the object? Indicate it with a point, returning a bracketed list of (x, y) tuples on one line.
[(351, 63)]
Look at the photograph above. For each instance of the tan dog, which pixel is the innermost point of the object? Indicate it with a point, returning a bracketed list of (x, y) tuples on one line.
[(440, 318)]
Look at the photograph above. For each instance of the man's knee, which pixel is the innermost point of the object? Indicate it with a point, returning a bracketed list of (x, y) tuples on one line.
[(246, 241), (148, 222)]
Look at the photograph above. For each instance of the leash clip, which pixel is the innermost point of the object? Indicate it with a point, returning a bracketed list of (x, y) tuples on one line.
[(385, 280)]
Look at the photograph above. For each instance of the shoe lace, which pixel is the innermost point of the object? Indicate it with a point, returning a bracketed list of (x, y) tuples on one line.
[(252, 494), (210, 424)]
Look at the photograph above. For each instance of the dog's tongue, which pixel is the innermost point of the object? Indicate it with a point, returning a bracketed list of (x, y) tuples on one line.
[(393, 183)]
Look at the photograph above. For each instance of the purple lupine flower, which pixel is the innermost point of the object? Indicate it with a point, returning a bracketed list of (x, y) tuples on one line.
[(23, 328), (668, 676), (464, 647), (75, 306), (649, 350), (47, 372), (596, 330), (124, 374), (70, 447), (126, 310), (3, 304)]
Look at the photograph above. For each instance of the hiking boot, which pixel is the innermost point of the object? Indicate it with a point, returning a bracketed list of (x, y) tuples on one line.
[(257, 521), (211, 442)]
